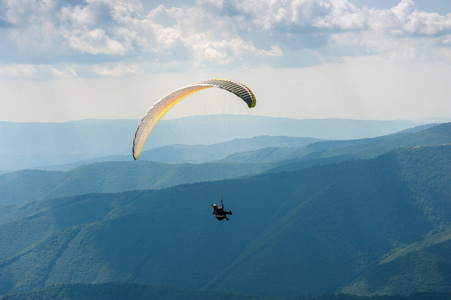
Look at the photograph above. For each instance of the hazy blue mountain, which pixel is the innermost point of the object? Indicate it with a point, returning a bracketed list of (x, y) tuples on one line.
[(206, 153), (28, 145), (307, 162), (196, 153), (249, 126), (110, 177), (310, 231), (32, 145), (327, 129), (361, 148), (436, 135), (30, 185)]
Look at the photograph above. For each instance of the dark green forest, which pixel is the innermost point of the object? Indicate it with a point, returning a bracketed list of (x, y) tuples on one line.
[(117, 291), (364, 218)]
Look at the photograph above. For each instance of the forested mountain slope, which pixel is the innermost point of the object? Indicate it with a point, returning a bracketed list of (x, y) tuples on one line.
[(310, 231), (121, 290), (110, 177), (424, 263)]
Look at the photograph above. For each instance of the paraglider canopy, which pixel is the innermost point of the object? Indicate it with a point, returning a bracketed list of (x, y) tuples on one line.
[(162, 106)]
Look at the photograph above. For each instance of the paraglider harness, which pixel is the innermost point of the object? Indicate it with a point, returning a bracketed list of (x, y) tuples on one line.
[(219, 212)]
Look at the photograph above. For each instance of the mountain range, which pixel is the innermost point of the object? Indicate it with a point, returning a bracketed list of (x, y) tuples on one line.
[(361, 217), (36, 145), (290, 154)]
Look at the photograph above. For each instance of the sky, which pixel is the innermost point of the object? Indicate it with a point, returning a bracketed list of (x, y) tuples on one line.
[(305, 59)]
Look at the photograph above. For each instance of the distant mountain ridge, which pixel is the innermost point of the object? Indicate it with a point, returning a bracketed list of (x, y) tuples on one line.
[(107, 177), (361, 148), (196, 153), (208, 153), (32, 145)]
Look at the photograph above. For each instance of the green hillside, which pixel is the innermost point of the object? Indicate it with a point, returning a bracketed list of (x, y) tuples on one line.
[(356, 213), (310, 231), (423, 266), (112, 177), (119, 291)]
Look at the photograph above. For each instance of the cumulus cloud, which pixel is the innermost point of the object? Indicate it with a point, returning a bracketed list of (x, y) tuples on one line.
[(18, 71), (30, 71), (401, 32), (117, 70), (274, 51), (206, 32), (406, 20), (343, 15), (300, 14)]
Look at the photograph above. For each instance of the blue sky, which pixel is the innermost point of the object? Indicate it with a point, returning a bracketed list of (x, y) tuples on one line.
[(360, 59)]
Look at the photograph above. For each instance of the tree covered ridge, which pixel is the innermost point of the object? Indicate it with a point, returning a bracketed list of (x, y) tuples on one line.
[(113, 291), (318, 229)]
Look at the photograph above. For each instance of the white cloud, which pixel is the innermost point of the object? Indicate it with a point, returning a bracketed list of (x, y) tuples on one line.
[(101, 27), (30, 71), (117, 70), (274, 51), (340, 14), (343, 15), (362, 62), (97, 42), (402, 32), (270, 14), (303, 13), (406, 19), (18, 71), (64, 72), (215, 33)]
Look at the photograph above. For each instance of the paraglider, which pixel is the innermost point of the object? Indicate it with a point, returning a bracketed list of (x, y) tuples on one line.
[(220, 213), (162, 106)]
